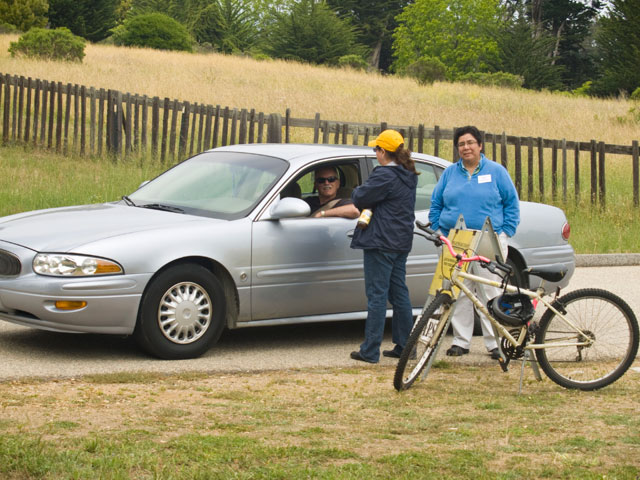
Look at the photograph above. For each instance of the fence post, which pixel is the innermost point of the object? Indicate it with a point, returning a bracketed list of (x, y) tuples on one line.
[(59, 120), (287, 126), (274, 128), (436, 141), (576, 171), (454, 147), (242, 130), (564, 170), (554, 170), (165, 129), (316, 128), (184, 131), (421, 138), (101, 100), (7, 99), (503, 150), (541, 167), (27, 120), (52, 109), (21, 82), (518, 169), (529, 168), (594, 172), (634, 160), (602, 190)]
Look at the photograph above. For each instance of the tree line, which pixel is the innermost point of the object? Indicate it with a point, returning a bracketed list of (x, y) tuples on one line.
[(589, 47)]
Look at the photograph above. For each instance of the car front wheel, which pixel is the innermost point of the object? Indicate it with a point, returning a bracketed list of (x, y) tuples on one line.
[(182, 313)]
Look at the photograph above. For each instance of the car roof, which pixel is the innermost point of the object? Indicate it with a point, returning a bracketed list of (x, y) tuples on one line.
[(302, 153)]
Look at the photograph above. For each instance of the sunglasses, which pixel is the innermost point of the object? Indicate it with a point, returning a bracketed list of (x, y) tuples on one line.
[(326, 179)]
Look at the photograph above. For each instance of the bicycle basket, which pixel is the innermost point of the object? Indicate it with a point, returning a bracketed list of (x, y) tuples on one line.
[(513, 309)]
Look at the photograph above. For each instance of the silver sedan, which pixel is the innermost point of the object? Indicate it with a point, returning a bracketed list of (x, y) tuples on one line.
[(222, 240)]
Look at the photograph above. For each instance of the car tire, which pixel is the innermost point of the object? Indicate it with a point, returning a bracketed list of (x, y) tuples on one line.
[(182, 313)]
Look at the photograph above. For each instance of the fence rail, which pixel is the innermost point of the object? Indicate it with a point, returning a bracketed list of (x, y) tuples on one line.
[(95, 122)]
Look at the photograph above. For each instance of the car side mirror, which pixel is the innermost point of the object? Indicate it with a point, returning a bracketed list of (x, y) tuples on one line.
[(289, 207)]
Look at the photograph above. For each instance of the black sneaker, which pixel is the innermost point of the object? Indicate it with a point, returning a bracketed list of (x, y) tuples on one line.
[(457, 351), (390, 354), (495, 354), (356, 356)]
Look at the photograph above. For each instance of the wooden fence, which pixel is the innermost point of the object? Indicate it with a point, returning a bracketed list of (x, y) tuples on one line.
[(96, 122)]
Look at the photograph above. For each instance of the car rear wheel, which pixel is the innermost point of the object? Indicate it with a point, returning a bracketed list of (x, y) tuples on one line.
[(182, 313)]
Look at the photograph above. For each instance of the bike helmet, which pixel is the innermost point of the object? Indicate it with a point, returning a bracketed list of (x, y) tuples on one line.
[(513, 309)]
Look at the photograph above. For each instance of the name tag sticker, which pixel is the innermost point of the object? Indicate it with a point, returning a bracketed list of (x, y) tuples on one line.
[(484, 178)]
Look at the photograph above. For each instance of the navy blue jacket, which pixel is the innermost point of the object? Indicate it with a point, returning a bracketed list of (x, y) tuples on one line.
[(390, 192)]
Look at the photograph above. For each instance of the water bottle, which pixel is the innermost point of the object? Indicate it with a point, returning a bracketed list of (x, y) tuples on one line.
[(364, 219)]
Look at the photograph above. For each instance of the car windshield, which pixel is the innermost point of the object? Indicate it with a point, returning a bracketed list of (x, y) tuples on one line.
[(224, 185)]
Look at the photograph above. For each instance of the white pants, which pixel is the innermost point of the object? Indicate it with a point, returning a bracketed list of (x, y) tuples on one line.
[(462, 320)]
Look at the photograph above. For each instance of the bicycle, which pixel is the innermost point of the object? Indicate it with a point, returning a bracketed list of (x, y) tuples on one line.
[(586, 339)]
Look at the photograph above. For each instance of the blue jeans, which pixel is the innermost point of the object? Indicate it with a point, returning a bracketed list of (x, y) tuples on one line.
[(384, 279)]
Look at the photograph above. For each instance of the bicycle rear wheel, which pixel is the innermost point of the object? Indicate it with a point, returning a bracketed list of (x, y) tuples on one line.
[(607, 321), (423, 342)]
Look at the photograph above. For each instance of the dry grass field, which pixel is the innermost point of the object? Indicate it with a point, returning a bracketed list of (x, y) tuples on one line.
[(345, 95), (462, 422)]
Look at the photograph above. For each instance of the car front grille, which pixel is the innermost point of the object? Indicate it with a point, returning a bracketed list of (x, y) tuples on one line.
[(9, 264)]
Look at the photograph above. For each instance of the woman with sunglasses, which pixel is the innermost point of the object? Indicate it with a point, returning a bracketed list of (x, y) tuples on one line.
[(390, 192)]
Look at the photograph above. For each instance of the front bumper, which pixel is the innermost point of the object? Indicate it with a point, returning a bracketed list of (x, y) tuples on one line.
[(29, 299)]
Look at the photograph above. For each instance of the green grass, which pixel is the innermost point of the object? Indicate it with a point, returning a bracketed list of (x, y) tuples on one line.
[(459, 423)]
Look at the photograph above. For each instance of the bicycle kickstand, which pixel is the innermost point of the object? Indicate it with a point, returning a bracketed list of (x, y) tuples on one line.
[(528, 357)]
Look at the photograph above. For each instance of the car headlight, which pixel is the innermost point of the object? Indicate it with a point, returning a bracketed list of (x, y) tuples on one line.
[(58, 264)]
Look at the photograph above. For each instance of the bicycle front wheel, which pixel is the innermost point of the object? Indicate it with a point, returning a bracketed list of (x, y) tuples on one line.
[(599, 355), (423, 341)]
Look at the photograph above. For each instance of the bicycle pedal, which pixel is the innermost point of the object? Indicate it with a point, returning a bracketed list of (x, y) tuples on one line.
[(504, 364)]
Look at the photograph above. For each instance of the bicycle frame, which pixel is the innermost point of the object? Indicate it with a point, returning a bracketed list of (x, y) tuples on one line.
[(458, 277)]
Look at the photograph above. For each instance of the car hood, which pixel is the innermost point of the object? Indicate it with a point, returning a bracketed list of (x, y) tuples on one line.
[(65, 229)]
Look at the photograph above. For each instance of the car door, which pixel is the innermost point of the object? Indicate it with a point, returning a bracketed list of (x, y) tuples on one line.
[(304, 267)]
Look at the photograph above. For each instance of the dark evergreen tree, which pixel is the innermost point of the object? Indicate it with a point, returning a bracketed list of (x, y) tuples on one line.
[(90, 19), (375, 21), (569, 23), (619, 44), (228, 25), (528, 55), (311, 32)]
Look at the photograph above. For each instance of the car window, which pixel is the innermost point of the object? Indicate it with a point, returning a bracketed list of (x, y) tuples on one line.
[(217, 184), (427, 180), (303, 186)]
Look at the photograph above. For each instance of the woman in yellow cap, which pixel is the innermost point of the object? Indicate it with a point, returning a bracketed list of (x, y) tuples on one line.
[(390, 192)]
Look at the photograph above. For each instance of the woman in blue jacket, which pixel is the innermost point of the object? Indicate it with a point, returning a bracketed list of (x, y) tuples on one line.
[(390, 192), (477, 188)]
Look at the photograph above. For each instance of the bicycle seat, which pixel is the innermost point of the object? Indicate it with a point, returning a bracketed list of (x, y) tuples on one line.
[(552, 273)]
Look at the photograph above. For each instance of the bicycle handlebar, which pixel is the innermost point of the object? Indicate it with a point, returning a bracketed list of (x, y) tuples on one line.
[(439, 240)]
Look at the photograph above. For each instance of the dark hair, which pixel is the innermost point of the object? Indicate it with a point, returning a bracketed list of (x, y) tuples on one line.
[(471, 130), (402, 156)]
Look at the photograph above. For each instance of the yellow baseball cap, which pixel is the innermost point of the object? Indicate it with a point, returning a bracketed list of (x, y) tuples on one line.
[(388, 140)]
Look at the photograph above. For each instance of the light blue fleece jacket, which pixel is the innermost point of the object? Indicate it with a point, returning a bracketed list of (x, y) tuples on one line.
[(489, 192)]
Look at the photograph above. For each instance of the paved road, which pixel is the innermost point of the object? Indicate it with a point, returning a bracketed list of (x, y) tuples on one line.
[(26, 352)]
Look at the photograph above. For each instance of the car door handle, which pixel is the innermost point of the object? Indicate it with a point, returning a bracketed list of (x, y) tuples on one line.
[(350, 233)]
